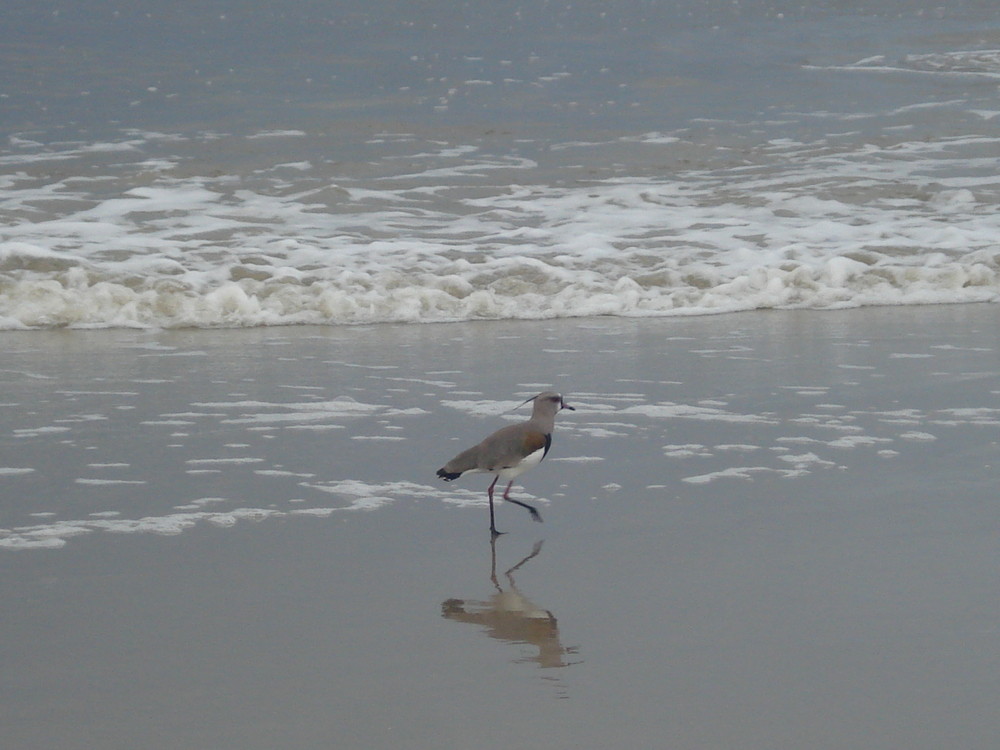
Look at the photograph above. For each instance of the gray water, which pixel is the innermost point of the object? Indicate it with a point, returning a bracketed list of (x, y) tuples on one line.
[(623, 65)]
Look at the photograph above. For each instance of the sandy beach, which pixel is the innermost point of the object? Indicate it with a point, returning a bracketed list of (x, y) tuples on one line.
[(264, 270), (762, 530)]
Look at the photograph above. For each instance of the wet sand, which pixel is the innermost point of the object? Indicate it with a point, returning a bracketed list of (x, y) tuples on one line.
[(765, 530)]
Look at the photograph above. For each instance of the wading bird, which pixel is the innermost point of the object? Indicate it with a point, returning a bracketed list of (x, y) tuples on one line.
[(511, 451)]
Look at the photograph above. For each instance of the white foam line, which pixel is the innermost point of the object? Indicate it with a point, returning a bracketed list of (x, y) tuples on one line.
[(917, 436), (359, 495), (669, 410), (34, 431), (853, 441), (481, 408), (108, 481), (897, 69), (688, 450), (805, 460), (234, 460), (596, 432), (340, 408), (314, 427), (742, 472)]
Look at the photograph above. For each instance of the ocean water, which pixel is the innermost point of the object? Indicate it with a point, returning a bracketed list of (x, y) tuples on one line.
[(254, 164)]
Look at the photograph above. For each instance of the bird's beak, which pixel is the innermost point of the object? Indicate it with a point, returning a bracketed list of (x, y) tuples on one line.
[(564, 405)]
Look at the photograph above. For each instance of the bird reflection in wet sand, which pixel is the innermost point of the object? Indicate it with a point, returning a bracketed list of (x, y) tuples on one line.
[(510, 616)]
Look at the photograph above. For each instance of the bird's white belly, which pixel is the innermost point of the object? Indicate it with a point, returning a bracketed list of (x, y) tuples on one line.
[(532, 459)]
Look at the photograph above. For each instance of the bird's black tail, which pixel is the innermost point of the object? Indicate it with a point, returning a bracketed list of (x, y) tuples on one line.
[(449, 475)]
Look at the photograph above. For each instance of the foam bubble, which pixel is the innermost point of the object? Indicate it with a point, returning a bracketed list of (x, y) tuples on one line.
[(452, 232)]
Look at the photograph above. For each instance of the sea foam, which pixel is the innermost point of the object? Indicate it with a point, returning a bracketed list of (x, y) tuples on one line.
[(448, 233)]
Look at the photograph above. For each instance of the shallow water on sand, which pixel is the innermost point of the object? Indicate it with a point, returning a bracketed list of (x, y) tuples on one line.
[(761, 530)]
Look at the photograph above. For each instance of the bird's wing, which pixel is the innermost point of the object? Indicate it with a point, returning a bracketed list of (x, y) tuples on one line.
[(515, 446)]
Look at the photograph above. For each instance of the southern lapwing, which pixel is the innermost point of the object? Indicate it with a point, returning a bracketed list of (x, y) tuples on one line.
[(510, 451)]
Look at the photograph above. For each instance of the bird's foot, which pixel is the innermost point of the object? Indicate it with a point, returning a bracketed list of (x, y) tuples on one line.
[(535, 515)]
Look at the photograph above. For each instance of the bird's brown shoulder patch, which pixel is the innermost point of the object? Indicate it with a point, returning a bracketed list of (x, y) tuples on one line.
[(534, 441)]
